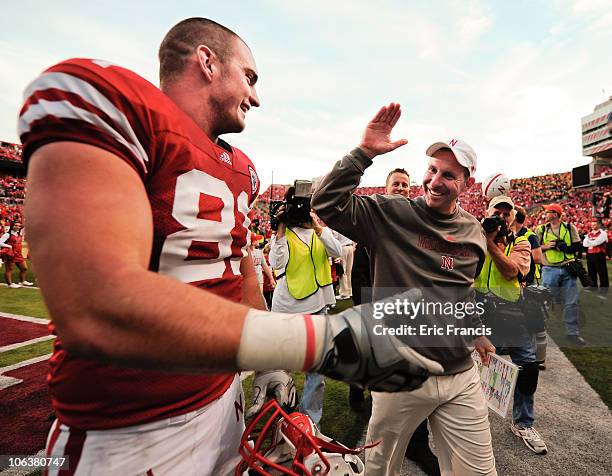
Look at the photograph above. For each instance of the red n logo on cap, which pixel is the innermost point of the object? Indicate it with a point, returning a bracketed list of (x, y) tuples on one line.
[(452, 142)]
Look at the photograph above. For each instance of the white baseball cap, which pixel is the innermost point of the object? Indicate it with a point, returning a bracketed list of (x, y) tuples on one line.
[(464, 154), (501, 199)]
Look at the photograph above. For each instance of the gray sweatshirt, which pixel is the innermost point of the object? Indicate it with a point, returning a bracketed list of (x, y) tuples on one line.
[(410, 245)]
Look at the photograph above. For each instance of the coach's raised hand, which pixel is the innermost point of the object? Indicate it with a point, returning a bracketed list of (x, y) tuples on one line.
[(376, 139)]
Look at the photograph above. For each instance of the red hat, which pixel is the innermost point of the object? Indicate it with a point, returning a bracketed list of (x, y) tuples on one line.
[(256, 238), (554, 207)]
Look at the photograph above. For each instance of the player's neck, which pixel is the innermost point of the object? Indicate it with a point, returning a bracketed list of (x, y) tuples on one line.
[(198, 111)]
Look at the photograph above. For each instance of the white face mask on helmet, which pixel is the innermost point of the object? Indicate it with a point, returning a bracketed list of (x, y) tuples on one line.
[(278, 443)]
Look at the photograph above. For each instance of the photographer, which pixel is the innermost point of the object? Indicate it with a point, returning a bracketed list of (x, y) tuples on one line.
[(560, 241), (299, 255), (499, 284)]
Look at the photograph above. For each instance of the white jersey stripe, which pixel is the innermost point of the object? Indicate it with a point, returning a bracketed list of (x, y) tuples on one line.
[(67, 110), (71, 84), (59, 447)]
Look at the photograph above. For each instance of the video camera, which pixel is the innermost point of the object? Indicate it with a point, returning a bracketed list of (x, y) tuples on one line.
[(297, 206), (494, 222)]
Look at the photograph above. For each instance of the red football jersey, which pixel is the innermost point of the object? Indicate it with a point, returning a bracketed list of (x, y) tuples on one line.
[(200, 194)]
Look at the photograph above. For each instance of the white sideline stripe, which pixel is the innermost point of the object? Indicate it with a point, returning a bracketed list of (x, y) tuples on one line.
[(25, 342), (6, 382), (35, 320), (25, 363)]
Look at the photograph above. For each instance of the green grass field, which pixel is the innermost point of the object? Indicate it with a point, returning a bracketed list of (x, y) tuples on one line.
[(594, 361)]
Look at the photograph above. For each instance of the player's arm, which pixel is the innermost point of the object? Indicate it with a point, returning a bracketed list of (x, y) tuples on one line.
[(90, 229), (251, 293)]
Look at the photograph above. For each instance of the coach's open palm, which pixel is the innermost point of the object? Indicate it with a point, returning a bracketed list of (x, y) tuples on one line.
[(376, 139)]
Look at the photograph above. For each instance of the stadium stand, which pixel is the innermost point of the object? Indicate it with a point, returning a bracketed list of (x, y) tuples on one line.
[(10, 151), (12, 183), (531, 193)]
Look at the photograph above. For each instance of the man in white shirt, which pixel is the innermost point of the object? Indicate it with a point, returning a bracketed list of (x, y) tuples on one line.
[(299, 257)]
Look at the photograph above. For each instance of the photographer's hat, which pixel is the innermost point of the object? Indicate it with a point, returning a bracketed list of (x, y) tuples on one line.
[(554, 207), (501, 199), (464, 154)]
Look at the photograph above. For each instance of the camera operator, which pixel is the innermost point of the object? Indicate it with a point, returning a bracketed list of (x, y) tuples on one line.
[(299, 256), (560, 241), (499, 283)]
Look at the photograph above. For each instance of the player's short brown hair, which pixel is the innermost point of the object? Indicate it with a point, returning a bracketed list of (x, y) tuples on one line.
[(180, 43), (521, 214), (397, 171)]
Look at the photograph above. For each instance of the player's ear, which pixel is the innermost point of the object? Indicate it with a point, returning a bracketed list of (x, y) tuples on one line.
[(206, 60)]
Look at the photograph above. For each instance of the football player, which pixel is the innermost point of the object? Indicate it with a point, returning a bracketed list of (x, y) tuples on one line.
[(138, 218)]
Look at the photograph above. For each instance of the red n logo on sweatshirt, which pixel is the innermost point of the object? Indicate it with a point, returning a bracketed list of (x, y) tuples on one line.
[(448, 262)]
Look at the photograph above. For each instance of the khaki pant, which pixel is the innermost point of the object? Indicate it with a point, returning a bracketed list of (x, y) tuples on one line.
[(345, 289), (458, 418)]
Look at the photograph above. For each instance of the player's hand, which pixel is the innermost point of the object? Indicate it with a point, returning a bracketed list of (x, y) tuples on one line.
[(355, 354), (484, 347), (276, 384), (376, 139)]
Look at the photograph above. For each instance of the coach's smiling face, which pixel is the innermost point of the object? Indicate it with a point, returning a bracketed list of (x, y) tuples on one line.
[(444, 181)]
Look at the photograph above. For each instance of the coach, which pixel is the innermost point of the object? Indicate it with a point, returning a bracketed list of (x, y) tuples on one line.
[(428, 242)]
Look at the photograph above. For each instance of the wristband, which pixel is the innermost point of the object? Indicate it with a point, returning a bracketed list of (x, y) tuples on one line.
[(273, 340)]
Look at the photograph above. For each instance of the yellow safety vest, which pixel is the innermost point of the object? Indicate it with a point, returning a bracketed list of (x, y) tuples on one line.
[(491, 280), (554, 256), (308, 268)]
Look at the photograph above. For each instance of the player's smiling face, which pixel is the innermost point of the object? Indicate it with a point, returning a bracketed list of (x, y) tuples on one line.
[(444, 181), (236, 93), (398, 184)]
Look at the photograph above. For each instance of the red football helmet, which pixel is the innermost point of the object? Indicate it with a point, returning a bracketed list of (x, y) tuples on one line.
[(277, 443)]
